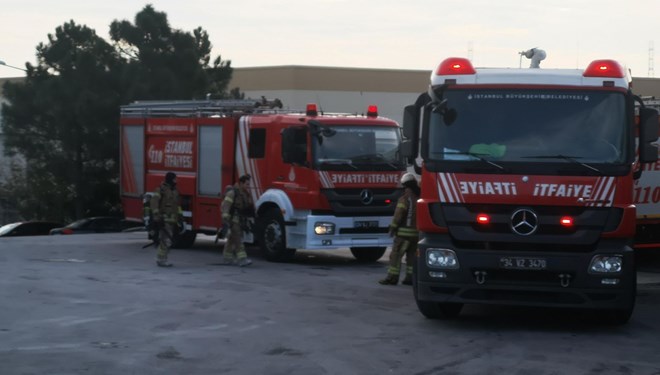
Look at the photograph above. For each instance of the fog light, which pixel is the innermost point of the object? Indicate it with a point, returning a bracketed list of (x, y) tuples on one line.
[(322, 228), (441, 258), (438, 275), (610, 281), (606, 264)]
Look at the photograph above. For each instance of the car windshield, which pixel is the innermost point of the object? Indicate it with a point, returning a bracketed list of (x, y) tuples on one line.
[(515, 125), (8, 228), (357, 148), (79, 224)]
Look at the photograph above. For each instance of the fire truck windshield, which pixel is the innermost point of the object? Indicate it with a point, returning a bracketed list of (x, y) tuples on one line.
[(358, 148), (500, 126)]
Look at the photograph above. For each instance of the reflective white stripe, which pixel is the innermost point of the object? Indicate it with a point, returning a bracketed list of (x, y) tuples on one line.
[(455, 189), (448, 188), (326, 182), (441, 194), (607, 192), (603, 192), (243, 164)]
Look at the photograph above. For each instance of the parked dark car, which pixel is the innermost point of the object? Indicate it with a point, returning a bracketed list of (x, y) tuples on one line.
[(28, 228), (97, 224)]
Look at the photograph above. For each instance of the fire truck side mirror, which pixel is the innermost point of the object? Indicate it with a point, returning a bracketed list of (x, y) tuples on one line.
[(410, 131), (406, 149), (648, 134)]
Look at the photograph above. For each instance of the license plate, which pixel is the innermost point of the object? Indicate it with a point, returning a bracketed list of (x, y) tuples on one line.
[(366, 224), (523, 263)]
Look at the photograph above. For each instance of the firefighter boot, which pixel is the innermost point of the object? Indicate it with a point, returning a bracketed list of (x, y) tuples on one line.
[(389, 280), (163, 263), (226, 261), (407, 280), (244, 262)]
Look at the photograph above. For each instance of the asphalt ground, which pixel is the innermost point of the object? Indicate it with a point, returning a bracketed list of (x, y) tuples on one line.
[(97, 304)]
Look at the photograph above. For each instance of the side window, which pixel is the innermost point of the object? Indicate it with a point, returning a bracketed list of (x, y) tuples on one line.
[(301, 143), (257, 144), (294, 145)]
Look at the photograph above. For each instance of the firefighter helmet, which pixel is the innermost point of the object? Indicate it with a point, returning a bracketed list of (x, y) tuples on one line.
[(169, 177), (407, 178)]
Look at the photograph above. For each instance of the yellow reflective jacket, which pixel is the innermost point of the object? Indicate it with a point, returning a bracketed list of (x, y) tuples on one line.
[(165, 202), (404, 221), (237, 205)]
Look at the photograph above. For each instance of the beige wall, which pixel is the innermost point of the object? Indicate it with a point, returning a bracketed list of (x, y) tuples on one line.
[(348, 90), (646, 86), (295, 77), (351, 90)]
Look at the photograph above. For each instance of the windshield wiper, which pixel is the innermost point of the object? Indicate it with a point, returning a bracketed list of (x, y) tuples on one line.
[(476, 156), (572, 159), (369, 157), (338, 162)]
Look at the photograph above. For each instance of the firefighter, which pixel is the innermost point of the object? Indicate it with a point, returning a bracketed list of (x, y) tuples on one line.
[(404, 230), (166, 216), (237, 208)]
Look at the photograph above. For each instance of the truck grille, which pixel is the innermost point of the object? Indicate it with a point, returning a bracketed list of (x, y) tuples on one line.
[(549, 235), (350, 202)]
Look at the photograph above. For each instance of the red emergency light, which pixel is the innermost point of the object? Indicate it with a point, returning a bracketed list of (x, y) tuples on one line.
[(372, 111), (604, 68), (566, 221), (312, 110), (483, 219), (455, 66)]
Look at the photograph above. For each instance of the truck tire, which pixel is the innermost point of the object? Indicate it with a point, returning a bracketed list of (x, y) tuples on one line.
[(272, 237), (435, 310), (368, 254), (617, 317)]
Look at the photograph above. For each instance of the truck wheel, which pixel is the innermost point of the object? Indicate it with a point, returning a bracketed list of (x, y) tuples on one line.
[(616, 317), (368, 254), (273, 238), (185, 240), (435, 310), (619, 316)]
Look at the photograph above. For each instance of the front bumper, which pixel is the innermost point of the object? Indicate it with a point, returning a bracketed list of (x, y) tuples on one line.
[(564, 282)]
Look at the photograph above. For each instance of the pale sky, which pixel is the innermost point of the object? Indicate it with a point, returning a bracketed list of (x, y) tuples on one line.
[(390, 34)]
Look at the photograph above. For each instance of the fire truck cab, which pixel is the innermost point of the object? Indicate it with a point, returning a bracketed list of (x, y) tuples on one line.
[(319, 180), (527, 180)]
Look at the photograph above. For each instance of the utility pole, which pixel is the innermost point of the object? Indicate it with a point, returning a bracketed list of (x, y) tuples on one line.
[(651, 72)]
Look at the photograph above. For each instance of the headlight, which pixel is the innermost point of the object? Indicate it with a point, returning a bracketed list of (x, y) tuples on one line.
[(441, 258), (606, 264), (322, 228)]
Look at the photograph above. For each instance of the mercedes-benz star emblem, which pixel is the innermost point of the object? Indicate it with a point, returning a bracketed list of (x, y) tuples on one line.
[(366, 196), (524, 222)]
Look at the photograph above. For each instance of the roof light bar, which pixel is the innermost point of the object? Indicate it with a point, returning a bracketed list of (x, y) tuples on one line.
[(372, 111), (604, 68), (455, 66), (312, 110)]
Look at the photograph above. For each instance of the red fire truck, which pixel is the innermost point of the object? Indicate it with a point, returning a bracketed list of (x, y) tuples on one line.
[(646, 196), (529, 180), (319, 181)]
